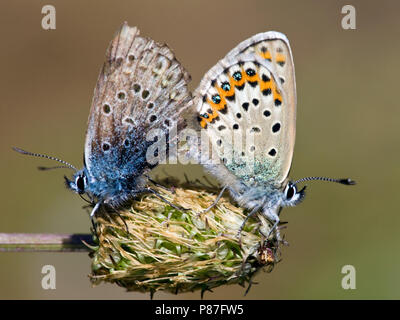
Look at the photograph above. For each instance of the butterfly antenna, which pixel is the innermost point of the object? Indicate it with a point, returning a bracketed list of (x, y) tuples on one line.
[(44, 156), (345, 181), (51, 168)]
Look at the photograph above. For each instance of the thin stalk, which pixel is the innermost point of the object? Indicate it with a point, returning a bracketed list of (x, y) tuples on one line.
[(40, 242)]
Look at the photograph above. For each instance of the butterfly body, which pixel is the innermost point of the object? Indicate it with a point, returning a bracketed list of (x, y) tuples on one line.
[(114, 186), (258, 194)]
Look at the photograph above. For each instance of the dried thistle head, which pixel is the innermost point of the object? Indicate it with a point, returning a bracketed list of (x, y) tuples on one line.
[(179, 251)]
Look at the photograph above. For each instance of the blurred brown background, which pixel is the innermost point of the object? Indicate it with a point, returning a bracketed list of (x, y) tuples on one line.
[(348, 125)]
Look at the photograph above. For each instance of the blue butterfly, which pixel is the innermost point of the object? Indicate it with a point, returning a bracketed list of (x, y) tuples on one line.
[(252, 93), (141, 87)]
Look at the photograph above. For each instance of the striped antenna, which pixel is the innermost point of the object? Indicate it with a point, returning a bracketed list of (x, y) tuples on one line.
[(44, 156), (345, 181)]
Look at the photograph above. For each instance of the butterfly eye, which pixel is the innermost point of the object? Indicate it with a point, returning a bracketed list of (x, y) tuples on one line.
[(80, 184), (290, 192)]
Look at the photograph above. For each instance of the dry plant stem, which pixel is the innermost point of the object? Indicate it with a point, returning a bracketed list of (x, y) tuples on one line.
[(38, 242)]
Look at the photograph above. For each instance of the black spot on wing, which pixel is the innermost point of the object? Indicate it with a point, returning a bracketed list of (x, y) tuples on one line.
[(240, 88), (267, 113), (253, 83), (265, 78), (276, 127), (224, 110), (222, 127), (215, 119), (267, 92)]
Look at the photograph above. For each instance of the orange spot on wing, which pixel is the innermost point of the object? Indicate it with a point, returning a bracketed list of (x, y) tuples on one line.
[(277, 95), (251, 78), (224, 93), (266, 55), (280, 57), (211, 117), (233, 82), (218, 106), (266, 85), (271, 84)]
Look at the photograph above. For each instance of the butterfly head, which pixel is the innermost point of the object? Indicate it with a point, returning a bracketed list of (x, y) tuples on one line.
[(79, 182), (292, 196)]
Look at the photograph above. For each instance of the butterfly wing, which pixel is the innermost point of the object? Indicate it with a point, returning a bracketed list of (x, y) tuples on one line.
[(252, 90), (140, 87)]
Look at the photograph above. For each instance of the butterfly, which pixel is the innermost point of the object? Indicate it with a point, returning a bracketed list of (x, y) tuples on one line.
[(141, 87), (246, 106)]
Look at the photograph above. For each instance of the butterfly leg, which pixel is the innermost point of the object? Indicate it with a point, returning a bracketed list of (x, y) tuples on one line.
[(93, 225), (123, 220), (251, 282), (199, 183), (166, 201), (95, 209), (213, 204), (273, 229), (160, 185), (252, 213), (209, 182), (273, 217), (92, 215)]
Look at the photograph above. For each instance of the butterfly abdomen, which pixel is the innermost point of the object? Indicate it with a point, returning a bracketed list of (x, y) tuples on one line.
[(257, 197)]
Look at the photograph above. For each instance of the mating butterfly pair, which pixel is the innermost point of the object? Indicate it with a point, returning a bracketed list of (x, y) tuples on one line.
[(143, 87)]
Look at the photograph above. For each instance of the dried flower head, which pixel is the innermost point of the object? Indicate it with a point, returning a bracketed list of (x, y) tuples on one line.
[(179, 251)]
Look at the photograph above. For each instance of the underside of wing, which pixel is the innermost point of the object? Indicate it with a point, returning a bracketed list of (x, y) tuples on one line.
[(274, 47), (140, 87), (247, 105)]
